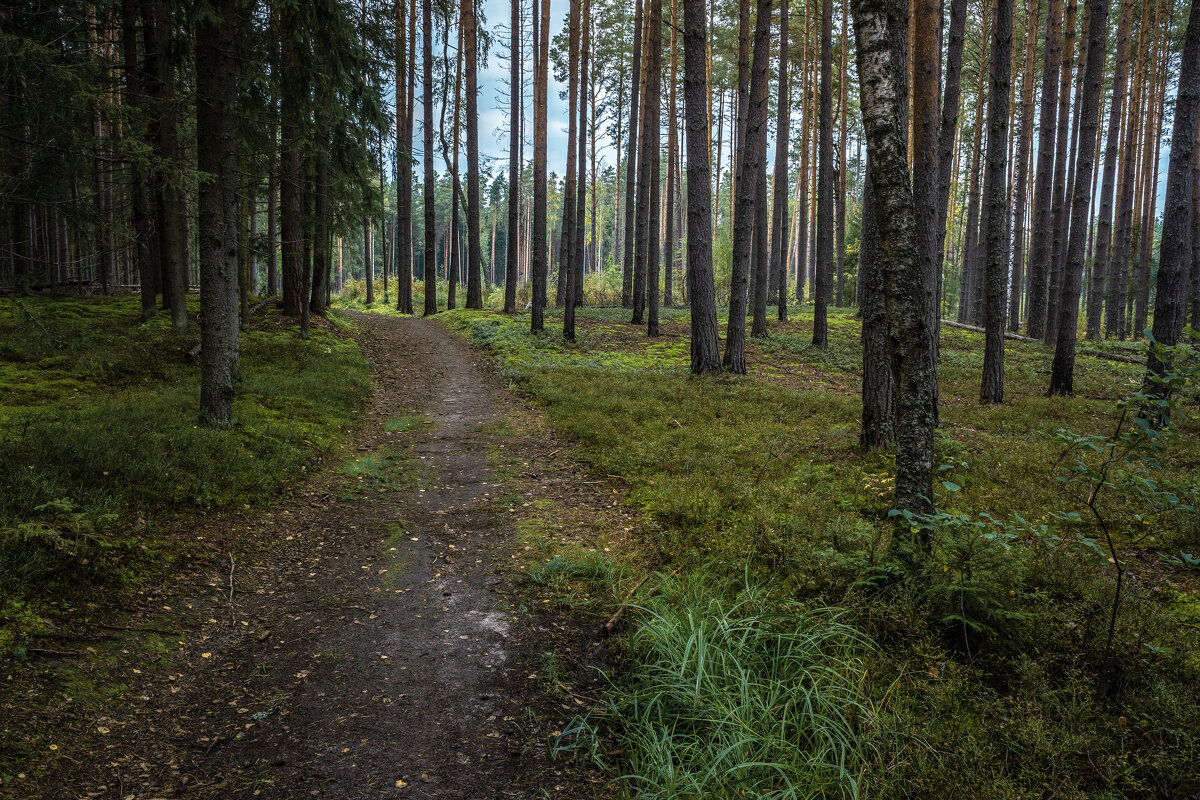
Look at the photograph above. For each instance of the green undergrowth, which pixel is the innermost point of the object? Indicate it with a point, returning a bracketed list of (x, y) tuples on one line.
[(387, 470), (100, 450), (989, 651), (732, 694)]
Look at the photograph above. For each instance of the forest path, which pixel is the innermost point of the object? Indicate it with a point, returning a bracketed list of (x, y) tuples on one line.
[(379, 649)]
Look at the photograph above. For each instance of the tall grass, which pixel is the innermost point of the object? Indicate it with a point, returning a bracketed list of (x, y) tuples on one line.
[(730, 695)]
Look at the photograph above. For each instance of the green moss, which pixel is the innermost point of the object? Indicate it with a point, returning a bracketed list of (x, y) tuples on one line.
[(404, 423), (100, 418), (762, 476)]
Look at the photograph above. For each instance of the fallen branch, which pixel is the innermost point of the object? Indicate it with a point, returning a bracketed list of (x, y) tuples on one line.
[(161, 631), (1019, 338), (41, 651), (1015, 336), (611, 625)]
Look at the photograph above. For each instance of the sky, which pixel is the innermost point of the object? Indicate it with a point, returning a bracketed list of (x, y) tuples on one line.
[(493, 97)]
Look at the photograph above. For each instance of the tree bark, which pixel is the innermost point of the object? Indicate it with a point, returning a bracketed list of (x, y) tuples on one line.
[(573, 275), (428, 262), (996, 197), (403, 245), (216, 151), (291, 180), (172, 254), (539, 258), (752, 148), (1021, 187), (779, 208), (843, 163), (824, 256), (474, 242), (631, 161), (511, 250), (140, 210), (321, 255), (926, 72), (947, 134), (701, 290), (566, 249), (1059, 223), (1040, 241), (672, 146), (1170, 298), (1062, 373), (1103, 282), (649, 159), (882, 81)]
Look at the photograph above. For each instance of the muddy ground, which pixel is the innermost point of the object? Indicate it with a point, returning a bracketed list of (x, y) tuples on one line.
[(367, 637)]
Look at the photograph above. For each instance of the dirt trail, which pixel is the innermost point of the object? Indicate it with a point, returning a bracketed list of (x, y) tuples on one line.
[(379, 649)]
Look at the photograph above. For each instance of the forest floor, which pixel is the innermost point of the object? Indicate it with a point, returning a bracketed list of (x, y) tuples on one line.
[(372, 636)]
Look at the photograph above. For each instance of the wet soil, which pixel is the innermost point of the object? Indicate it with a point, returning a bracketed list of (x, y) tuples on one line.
[(374, 642)]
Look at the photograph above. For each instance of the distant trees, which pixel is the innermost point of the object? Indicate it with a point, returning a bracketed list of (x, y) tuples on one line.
[(999, 173)]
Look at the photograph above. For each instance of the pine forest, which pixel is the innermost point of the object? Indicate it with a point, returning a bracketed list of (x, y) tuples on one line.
[(646, 399)]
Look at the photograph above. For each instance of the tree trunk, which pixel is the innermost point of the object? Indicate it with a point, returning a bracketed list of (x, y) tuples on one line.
[(474, 242), (1063, 369), (882, 89), (216, 151), (701, 291), (970, 277), (779, 207), (291, 180), (1059, 223), (1040, 241), (141, 212), (752, 148), (823, 265), (321, 260), (566, 249), (1022, 171), (1150, 185), (926, 72), (1195, 279), (1098, 291), (1170, 298), (672, 123), (403, 245), (649, 159), (631, 161), (172, 242), (843, 162), (515, 110), (878, 389), (428, 263), (642, 221), (1114, 312), (539, 257), (576, 193), (995, 275)]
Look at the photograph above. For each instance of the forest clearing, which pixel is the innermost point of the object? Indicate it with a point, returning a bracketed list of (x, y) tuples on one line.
[(600, 399)]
